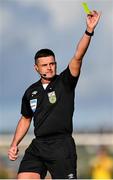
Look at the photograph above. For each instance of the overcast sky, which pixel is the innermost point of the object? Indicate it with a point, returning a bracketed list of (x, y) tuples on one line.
[(29, 25)]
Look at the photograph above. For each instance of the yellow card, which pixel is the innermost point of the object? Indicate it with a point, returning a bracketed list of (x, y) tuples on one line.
[(86, 9)]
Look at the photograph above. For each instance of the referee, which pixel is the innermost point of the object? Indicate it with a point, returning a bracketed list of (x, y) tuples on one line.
[(50, 103)]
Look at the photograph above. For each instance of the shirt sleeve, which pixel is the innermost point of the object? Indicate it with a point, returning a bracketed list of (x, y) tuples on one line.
[(25, 106), (68, 79)]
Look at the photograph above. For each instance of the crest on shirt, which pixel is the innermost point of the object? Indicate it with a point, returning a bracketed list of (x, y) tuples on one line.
[(52, 97), (33, 104)]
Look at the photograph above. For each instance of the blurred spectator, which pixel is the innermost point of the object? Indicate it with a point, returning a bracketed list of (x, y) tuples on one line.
[(102, 165)]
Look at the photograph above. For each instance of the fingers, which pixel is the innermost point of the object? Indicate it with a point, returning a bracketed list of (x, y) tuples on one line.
[(93, 19), (13, 153), (94, 13), (12, 157), (97, 14)]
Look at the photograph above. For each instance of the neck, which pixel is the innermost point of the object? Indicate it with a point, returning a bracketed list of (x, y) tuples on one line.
[(45, 81)]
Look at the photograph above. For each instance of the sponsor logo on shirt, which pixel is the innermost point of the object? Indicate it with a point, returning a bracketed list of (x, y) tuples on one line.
[(34, 93), (70, 176)]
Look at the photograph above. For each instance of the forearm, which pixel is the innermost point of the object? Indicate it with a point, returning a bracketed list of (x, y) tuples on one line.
[(21, 130), (76, 62), (92, 20), (83, 46)]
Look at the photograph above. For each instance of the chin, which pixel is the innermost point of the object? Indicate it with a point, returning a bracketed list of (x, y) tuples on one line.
[(50, 77)]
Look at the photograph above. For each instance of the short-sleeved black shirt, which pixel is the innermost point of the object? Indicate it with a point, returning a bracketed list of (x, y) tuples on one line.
[(52, 108)]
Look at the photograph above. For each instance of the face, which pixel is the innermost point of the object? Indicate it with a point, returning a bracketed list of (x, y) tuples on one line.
[(46, 66)]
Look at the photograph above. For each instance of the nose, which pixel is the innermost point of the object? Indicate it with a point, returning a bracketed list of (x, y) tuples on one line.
[(49, 66)]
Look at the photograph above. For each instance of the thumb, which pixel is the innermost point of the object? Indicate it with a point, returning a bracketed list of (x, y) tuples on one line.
[(15, 149)]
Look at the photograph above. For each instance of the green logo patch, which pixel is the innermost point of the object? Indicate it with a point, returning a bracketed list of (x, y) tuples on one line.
[(52, 97)]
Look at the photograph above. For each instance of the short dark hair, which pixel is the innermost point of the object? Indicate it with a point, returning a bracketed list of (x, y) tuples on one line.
[(43, 53)]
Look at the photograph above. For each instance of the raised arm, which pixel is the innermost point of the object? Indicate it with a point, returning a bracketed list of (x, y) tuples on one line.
[(76, 62), (21, 130)]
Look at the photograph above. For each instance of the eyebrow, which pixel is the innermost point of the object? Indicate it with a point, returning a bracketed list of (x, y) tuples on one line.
[(48, 63)]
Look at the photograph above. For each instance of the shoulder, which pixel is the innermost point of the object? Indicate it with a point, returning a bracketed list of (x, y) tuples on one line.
[(67, 73), (68, 79), (32, 88), (34, 85)]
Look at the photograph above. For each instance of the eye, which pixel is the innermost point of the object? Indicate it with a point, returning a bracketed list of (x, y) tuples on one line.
[(44, 65), (52, 63)]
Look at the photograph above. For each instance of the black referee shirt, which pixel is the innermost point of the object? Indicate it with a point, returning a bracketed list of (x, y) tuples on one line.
[(52, 108)]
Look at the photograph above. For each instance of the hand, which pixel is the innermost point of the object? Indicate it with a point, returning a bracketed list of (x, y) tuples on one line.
[(13, 153), (92, 20)]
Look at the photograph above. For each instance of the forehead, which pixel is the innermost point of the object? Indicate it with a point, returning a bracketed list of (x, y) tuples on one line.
[(45, 60)]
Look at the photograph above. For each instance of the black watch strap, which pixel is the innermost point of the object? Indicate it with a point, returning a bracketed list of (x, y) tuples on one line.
[(88, 33)]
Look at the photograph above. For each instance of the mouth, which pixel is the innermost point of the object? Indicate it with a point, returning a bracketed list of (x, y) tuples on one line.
[(49, 73)]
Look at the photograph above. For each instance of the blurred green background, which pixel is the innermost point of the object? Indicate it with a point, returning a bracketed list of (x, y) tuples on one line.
[(86, 151)]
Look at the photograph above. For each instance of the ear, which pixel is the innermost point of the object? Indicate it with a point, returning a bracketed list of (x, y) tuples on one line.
[(36, 67)]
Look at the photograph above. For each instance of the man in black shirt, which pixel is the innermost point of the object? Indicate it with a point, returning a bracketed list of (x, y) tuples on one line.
[(50, 102)]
